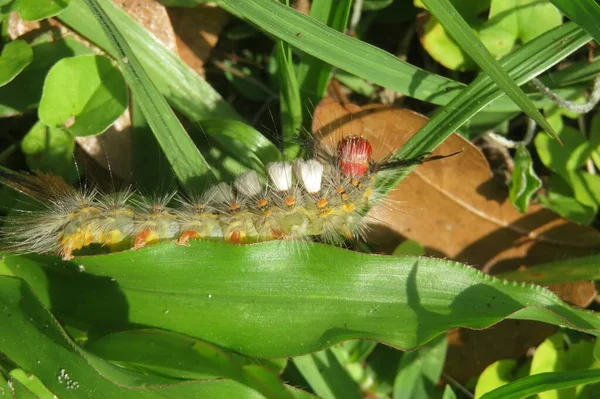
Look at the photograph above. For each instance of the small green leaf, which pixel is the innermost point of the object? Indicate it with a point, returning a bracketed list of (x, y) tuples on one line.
[(556, 157), (561, 199), (16, 55), (409, 247), (420, 370), (25, 90), (448, 393), (524, 182), (34, 10), (553, 355), (50, 149), (517, 16), (32, 383), (83, 95), (495, 375)]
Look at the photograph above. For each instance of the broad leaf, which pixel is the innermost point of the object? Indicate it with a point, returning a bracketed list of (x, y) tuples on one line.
[(16, 55)]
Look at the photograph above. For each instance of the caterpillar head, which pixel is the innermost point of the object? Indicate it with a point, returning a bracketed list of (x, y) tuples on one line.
[(355, 155)]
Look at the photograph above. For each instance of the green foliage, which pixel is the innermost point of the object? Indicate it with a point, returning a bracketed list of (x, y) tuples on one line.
[(83, 95), (34, 10), (50, 149), (217, 320), (15, 56)]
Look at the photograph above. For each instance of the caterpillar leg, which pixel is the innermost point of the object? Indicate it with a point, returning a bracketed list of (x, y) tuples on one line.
[(186, 236), (144, 237)]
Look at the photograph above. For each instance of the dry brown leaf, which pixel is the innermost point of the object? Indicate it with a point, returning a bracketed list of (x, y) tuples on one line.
[(197, 31)]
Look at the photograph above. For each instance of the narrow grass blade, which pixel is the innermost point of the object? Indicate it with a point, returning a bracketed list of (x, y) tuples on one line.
[(185, 159), (585, 13), (578, 269), (291, 103), (466, 38), (533, 384), (326, 376), (314, 74)]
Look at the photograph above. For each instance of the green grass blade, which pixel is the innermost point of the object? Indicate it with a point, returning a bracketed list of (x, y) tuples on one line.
[(466, 38), (522, 65), (578, 269), (585, 13), (326, 376), (291, 302), (339, 50), (184, 157), (537, 383), (290, 101), (182, 86)]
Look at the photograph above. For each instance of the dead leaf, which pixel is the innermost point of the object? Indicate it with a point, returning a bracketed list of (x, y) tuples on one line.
[(197, 32)]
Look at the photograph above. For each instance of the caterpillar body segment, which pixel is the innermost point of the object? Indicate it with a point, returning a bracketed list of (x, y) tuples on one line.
[(322, 198)]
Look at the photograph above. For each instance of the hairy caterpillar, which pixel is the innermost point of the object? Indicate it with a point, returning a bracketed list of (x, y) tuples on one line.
[(322, 197)]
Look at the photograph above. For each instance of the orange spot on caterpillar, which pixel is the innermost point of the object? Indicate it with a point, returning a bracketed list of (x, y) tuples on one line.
[(354, 155), (237, 237), (322, 203), (262, 203), (235, 206), (186, 236), (290, 201), (144, 237), (344, 197), (355, 182)]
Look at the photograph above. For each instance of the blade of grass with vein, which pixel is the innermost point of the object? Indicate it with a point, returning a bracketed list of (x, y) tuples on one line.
[(186, 161), (585, 13), (182, 86), (522, 65), (525, 387), (466, 38), (290, 102)]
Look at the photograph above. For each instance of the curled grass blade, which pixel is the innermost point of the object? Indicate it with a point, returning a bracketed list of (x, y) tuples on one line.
[(184, 157), (289, 302), (466, 38)]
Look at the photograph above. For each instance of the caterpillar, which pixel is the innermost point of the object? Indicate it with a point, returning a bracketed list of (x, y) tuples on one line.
[(323, 197)]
